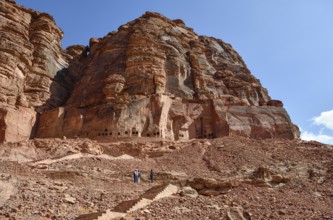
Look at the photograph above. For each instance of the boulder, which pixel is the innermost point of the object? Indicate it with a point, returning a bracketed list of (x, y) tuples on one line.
[(91, 148), (264, 177), (188, 191), (212, 187), (237, 213), (16, 124)]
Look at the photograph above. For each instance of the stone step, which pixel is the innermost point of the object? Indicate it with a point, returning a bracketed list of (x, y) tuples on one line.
[(111, 215), (154, 191), (90, 216), (123, 207), (168, 191), (142, 203), (153, 194)]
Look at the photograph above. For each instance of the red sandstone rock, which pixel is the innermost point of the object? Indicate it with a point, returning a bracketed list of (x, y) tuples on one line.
[(154, 77), (31, 58), (276, 103), (157, 78), (32, 68), (16, 124)]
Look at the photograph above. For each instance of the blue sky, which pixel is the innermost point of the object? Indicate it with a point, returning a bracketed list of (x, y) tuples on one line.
[(287, 44)]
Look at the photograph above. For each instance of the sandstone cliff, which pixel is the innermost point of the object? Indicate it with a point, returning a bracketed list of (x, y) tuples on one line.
[(33, 65), (154, 77)]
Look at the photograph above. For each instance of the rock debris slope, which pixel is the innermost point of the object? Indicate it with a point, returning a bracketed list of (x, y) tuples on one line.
[(154, 77), (232, 178)]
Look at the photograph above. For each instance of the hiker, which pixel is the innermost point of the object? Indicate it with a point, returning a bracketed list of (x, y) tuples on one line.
[(136, 176), (151, 176), (139, 176)]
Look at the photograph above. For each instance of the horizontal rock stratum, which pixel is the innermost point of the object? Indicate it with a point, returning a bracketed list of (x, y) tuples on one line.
[(153, 77)]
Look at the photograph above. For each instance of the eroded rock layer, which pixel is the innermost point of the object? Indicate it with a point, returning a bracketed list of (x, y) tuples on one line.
[(33, 65), (154, 77)]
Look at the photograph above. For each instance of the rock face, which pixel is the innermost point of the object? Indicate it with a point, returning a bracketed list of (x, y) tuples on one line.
[(154, 77), (33, 70), (16, 123)]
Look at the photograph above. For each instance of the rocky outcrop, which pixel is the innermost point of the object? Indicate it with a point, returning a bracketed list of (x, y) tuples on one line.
[(154, 77), (16, 123), (33, 74), (212, 187), (32, 67)]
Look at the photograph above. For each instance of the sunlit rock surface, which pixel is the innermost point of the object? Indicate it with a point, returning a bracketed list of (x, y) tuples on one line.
[(154, 77)]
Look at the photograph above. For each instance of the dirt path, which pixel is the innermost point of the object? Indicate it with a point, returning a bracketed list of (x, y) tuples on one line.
[(81, 155)]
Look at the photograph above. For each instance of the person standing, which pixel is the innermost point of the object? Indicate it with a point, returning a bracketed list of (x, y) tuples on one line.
[(136, 176), (151, 175), (139, 176)]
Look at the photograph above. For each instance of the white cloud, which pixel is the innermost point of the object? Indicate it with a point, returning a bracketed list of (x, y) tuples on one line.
[(325, 119), (308, 136)]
